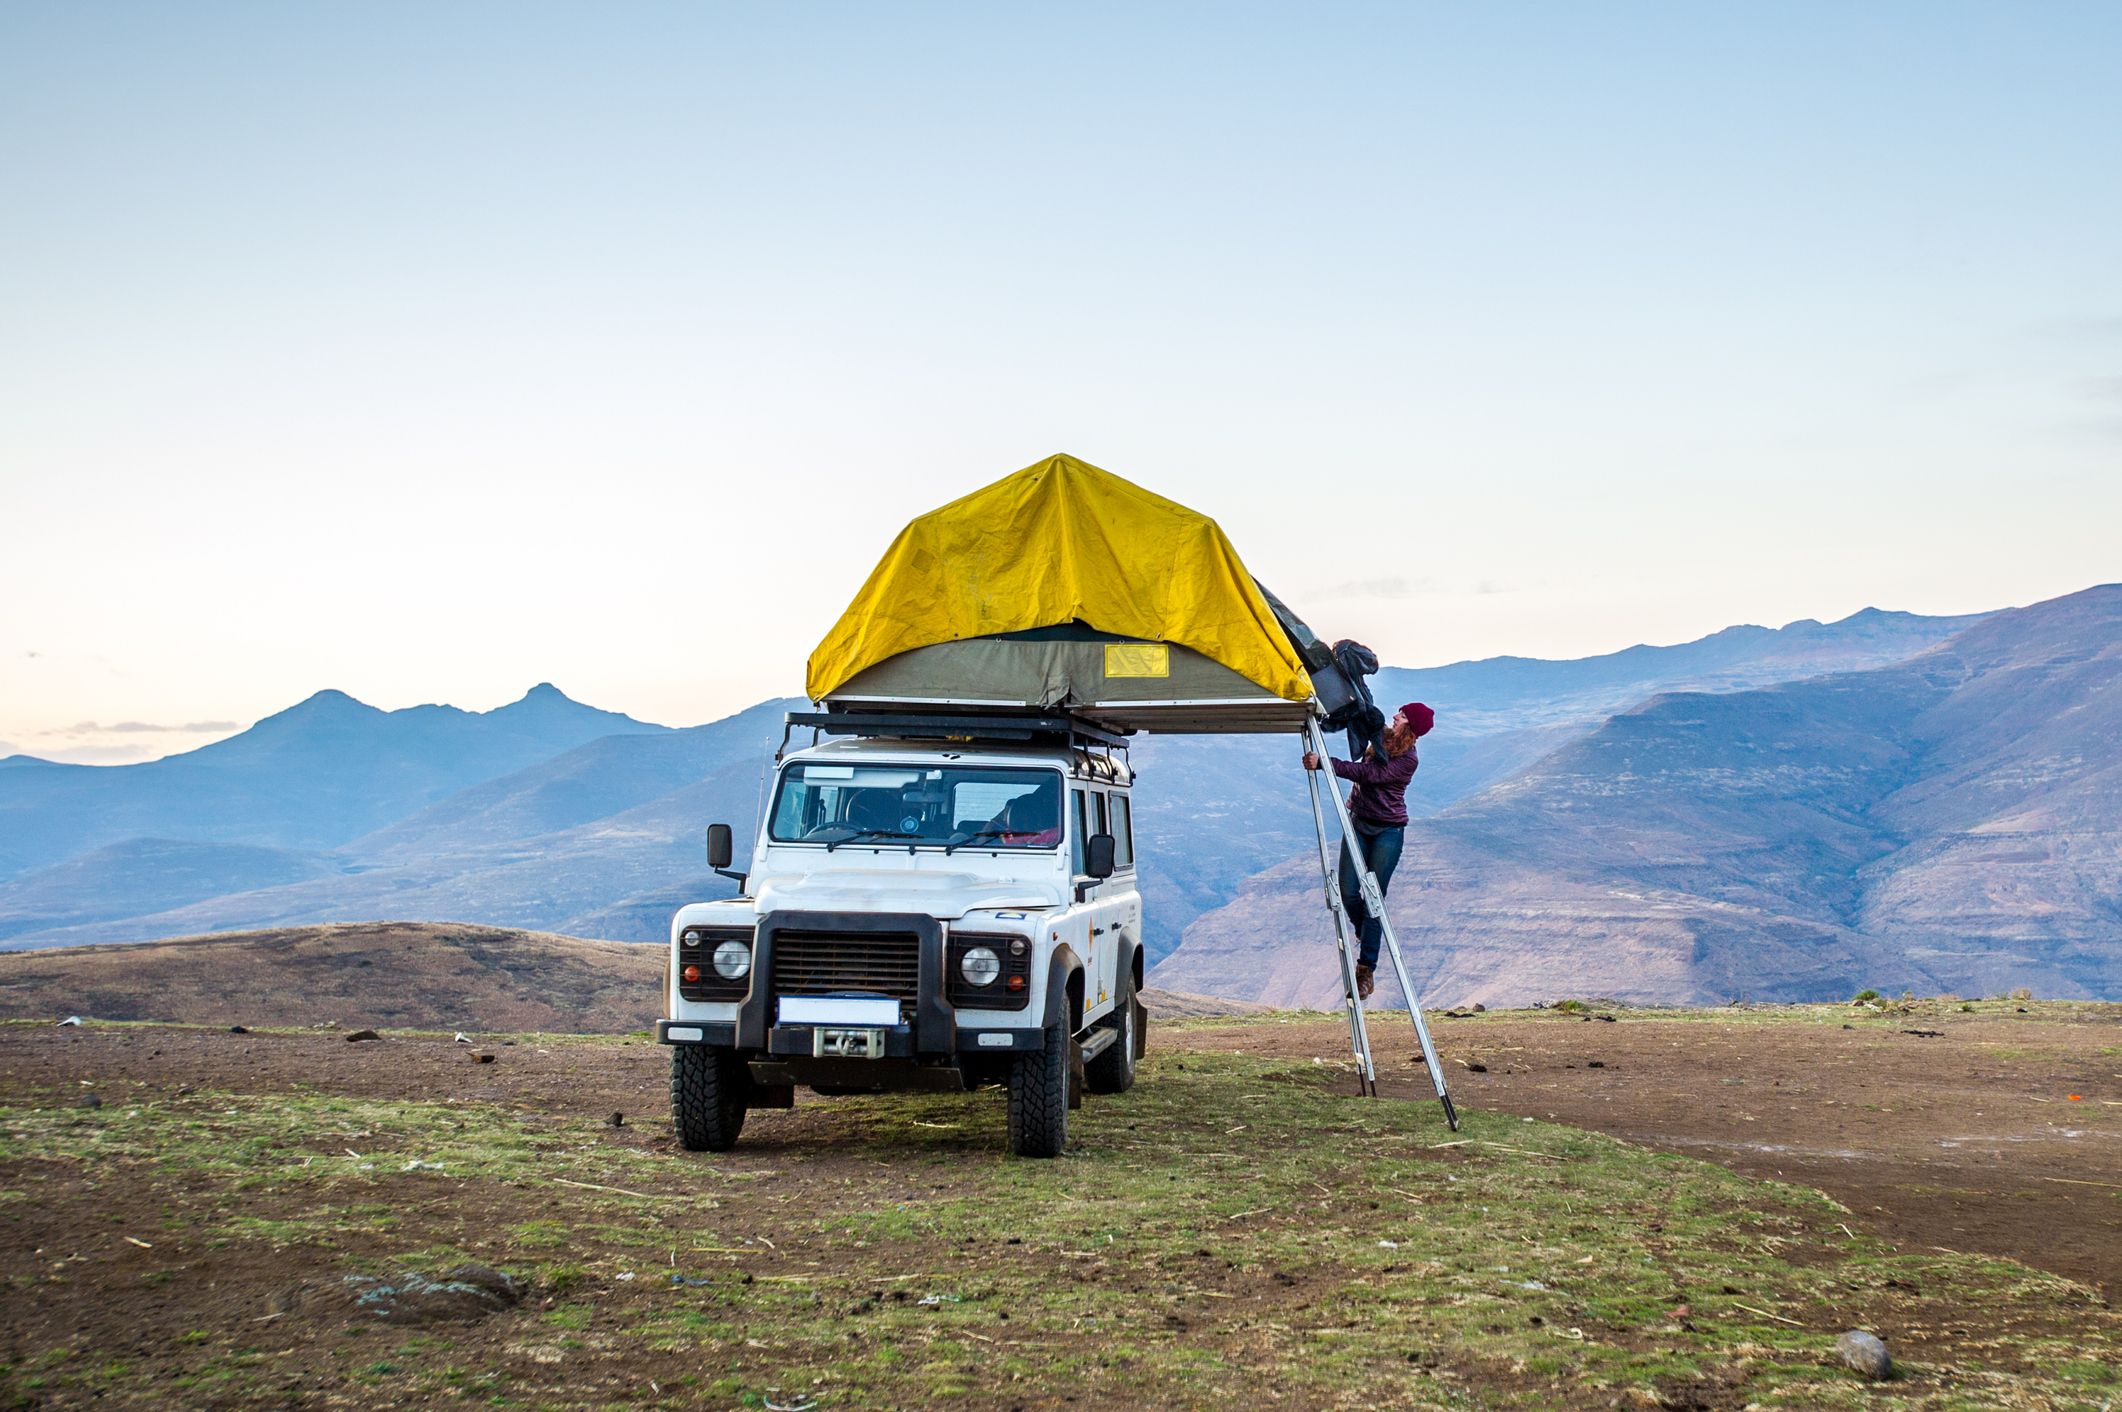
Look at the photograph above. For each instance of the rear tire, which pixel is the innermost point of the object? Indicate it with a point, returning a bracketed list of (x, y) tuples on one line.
[(708, 1088), (1114, 1070), (1038, 1095)]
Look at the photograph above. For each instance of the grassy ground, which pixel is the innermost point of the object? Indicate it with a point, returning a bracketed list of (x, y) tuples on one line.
[(1231, 1230)]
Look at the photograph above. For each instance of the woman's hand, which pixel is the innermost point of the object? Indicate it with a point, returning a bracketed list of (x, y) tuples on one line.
[(1311, 760)]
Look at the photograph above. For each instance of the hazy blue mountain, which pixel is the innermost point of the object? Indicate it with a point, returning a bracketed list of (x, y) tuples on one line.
[(1218, 810), (143, 876), (590, 782), (1953, 822), (1514, 693), (582, 880), (314, 776), (548, 814)]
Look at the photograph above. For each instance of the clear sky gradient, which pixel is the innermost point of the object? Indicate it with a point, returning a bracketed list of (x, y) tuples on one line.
[(428, 351)]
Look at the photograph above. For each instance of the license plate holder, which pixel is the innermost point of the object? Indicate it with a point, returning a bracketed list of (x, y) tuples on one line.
[(847, 1043)]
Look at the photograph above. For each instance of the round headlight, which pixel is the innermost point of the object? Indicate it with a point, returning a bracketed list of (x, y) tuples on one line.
[(732, 959), (979, 965)]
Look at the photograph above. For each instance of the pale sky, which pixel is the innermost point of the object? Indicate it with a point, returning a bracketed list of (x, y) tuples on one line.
[(429, 352)]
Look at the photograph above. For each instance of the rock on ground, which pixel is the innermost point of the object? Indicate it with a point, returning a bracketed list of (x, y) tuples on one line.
[(459, 1294), (1864, 1352)]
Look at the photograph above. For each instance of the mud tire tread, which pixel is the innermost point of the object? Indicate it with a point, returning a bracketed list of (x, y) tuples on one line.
[(707, 1093), (1038, 1096)]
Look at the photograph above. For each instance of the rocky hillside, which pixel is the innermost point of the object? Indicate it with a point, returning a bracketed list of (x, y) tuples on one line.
[(1950, 823)]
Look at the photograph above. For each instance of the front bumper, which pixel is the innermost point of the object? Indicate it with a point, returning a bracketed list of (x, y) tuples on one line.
[(796, 1041), (930, 1037)]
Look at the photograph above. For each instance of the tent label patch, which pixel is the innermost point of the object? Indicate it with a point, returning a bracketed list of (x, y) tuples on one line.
[(1137, 659)]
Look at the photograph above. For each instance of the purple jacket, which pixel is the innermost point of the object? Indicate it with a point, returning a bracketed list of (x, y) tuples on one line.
[(1380, 796)]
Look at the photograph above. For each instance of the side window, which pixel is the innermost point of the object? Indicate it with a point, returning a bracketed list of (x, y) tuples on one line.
[(1077, 834), (1123, 831), (1101, 820)]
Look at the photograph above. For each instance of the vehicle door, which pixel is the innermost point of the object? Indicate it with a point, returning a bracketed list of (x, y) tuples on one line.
[(1122, 899), (1083, 932), (1107, 909)]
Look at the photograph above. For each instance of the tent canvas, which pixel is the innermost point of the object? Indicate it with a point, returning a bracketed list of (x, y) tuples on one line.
[(1064, 586)]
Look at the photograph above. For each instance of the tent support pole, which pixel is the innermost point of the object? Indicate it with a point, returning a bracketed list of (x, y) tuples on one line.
[(1358, 1032), (1374, 903)]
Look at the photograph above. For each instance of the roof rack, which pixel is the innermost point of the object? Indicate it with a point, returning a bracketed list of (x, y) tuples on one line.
[(1055, 728)]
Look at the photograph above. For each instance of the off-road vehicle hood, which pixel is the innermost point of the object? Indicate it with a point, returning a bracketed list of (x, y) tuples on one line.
[(942, 895)]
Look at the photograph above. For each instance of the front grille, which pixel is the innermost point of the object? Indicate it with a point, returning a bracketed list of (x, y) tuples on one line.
[(822, 963)]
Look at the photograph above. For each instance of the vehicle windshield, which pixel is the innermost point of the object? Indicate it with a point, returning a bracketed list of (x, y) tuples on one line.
[(917, 805)]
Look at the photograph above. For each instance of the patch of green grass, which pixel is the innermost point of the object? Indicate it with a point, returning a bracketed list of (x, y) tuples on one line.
[(540, 1235), (561, 1277)]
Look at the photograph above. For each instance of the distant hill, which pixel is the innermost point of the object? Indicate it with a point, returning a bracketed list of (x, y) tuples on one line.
[(551, 815), (620, 876), (1514, 693), (399, 974), (142, 876), (317, 775), (1216, 811), (593, 781), (1953, 822)]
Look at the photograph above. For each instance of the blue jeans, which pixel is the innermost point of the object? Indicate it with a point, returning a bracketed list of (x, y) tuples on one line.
[(1381, 849)]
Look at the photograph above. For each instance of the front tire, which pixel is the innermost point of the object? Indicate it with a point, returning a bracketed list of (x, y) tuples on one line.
[(1038, 1095), (708, 1088), (1114, 1070)]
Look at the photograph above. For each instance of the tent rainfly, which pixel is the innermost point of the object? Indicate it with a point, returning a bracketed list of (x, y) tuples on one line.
[(1065, 587)]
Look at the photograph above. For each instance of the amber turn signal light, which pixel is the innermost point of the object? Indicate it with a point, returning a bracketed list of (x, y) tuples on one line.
[(691, 974)]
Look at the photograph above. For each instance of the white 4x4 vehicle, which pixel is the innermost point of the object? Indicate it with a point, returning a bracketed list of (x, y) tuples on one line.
[(934, 913)]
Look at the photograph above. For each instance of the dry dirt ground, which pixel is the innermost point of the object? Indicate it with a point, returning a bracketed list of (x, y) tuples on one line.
[(1933, 1126), (1966, 1139), (1936, 1126)]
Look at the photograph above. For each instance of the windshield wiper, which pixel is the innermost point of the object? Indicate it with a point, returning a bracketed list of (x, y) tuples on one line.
[(958, 841), (854, 834)]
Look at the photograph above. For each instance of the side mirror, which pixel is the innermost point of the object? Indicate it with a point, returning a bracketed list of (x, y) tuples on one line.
[(719, 846), (1098, 855)]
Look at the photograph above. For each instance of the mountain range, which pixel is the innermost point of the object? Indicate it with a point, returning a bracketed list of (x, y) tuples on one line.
[(1952, 822), (552, 815)]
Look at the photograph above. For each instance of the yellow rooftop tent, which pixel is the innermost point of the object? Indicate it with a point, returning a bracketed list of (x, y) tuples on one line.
[(1065, 590), (1064, 585)]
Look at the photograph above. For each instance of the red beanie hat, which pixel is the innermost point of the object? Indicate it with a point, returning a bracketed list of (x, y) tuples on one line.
[(1420, 717)]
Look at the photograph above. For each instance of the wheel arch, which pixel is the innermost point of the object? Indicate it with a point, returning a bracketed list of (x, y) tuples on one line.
[(1064, 989)]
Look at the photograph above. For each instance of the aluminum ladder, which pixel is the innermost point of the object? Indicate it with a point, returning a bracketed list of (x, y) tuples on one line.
[(1345, 932)]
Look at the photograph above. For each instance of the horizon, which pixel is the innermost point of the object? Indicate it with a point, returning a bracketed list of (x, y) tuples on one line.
[(547, 685)]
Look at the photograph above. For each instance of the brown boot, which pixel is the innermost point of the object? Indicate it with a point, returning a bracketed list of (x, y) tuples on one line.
[(1364, 982)]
